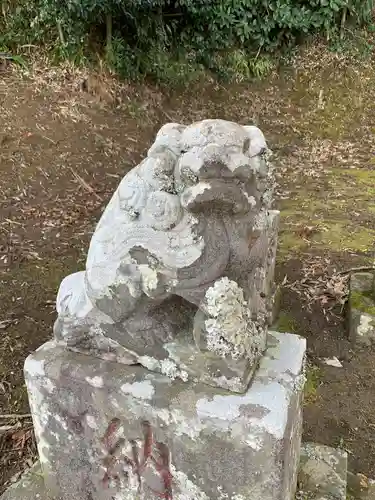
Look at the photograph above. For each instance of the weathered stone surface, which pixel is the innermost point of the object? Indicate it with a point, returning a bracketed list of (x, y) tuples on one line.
[(322, 474), (361, 306), (108, 430), (29, 487), (180, 269)]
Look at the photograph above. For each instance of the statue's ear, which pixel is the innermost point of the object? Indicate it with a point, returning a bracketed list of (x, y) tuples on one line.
[(258, 144)]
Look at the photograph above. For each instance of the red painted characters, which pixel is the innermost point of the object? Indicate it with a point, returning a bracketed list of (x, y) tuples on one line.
[(146, 456)]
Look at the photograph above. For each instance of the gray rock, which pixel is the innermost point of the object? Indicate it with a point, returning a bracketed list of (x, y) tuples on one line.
[(180, 268), (96, 420), (361, 308), (322, 474), (360, 487)]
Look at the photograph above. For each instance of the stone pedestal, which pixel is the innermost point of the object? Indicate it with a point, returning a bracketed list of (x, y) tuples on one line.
[(106, 430)]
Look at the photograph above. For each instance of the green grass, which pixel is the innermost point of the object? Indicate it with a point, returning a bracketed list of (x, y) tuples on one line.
[(313, 381)]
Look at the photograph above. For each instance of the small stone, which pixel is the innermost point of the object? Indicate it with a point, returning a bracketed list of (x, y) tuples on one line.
[(332, 362), (363, 480), (323, 472), (361, 308)]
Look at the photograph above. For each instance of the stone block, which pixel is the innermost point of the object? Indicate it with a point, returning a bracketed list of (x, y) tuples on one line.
[(322, 474), (361, 308), (107, 430)]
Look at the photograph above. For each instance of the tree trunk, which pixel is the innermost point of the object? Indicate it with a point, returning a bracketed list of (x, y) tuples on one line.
[(108, 23)]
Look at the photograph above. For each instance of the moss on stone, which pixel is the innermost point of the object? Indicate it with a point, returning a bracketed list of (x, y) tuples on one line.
[(286, 323), (363, 301), (313, 380)]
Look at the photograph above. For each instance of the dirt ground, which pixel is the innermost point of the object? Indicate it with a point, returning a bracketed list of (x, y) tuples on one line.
[(64, 146)]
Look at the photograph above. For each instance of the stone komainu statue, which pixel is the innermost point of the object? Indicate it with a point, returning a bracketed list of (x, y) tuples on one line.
[(179, 272)]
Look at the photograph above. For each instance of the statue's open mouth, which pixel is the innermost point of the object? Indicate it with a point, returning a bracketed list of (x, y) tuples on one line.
[(224, 194)]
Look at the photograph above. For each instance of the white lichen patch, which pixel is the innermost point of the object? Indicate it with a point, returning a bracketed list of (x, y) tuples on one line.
[(191, 193), (271, 398), (234, 384), (127, 484), (129, 281), (252, 201), (261, 221), (171, 370), (41, 415), (186, 489), (150, 363), (200, 188), (174, 355), (34, 367), (91, 422), (149, 278), (95, 381), (230, 329), (97, 331), (182, 422), (184, 425), (48, 385), (167, 367), (140, 390), (61, 421), (299, 382), (365, 325)]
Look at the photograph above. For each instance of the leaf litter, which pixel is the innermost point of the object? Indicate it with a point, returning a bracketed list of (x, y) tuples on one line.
[(319, 284), (17, 443)]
